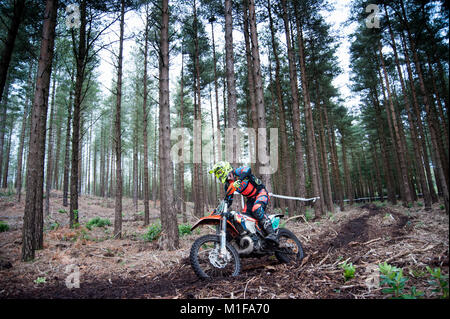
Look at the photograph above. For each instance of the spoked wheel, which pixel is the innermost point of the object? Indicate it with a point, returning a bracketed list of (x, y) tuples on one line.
[(290, 249), (207, 261)]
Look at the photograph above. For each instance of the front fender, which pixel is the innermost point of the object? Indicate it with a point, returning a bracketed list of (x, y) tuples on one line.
[(215, 220)]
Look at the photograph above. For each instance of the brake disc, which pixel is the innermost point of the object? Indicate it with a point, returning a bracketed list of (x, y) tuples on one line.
[(219, 261)]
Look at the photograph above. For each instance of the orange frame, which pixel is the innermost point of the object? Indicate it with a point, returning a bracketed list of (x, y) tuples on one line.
[(215, 220)]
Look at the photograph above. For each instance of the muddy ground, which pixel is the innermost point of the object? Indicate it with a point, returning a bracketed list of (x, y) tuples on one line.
[(364, 235)]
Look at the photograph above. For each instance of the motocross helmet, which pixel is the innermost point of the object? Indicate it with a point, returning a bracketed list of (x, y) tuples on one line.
[(221, 170)]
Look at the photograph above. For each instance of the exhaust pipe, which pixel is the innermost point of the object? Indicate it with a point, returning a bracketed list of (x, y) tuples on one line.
[(249, 247)]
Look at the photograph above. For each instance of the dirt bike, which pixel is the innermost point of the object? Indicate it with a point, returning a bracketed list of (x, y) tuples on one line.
[(238, 235)]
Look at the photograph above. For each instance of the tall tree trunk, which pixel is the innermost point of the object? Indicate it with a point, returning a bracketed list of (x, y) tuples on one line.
[(169, 223), (145, 122), (324, 158), (20, 149), (181, 163), (67, 152), (118, 133), (216, 91), (334, 158), (76, 116), (418, 121), (312, 153), (232, 118), (347, 179), (391, 196), (48, 181), (251, 83), (412, 124), (440, 117), (8, 153), (263, 147), (301, 189), (401, 148), (429, 116), (59, 126), (198, 170), (287, 168), (135, 163), (32, 233), (3, 121), (154, 172), (377, 170)]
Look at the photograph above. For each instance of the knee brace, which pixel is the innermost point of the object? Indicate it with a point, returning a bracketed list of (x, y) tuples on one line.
[(258, 211)]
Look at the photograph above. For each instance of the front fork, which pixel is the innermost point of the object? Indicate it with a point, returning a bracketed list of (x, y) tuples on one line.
[(223, 233)]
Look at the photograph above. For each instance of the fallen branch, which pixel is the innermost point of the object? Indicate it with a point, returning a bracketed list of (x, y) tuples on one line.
[(371, 241), (296, 216), (415, 251), (245, 290), (323, 260), (354, 243)]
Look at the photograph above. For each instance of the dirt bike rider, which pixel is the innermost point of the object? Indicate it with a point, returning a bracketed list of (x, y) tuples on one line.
[(251, 187)]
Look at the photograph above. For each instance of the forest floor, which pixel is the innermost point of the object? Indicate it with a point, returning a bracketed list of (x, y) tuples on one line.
[(132, 267)]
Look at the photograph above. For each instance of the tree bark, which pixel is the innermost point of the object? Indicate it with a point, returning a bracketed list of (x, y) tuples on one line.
[(59, 127), (20, 149), (169, 224), (334, 158), (118, 133), (76, 116), (301, 190), (412, 124), (3, 121), (8, 154), (347, 179), (288, 183), (200, 197), (216, 91), (312, 153), (251, 83), (67, 152), (401, 148), (145, 123), (429, 115), (391, 196), (32, 233), (232, 118), (49, 175), (418, 121), (259, 95), (181, 163)]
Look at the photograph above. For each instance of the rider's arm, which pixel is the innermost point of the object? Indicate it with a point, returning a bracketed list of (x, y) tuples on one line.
[(229, 198), (243, 172)]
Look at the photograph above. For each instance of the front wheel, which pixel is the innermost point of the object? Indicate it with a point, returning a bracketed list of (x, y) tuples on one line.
[(290, 248), (207, 262)]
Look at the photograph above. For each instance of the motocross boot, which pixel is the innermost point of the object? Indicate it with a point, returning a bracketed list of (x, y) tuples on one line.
[(271, 235)]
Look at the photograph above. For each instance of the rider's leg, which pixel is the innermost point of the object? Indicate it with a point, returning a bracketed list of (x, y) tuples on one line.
[(258, 210)]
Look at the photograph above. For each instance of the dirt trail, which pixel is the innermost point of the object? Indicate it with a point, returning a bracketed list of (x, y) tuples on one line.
[(134, 268)]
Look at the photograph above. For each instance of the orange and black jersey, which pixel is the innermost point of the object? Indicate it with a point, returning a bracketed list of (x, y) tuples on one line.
[(250, 184)]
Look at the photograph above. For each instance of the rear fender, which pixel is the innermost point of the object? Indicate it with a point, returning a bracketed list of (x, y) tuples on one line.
[(215, 220)]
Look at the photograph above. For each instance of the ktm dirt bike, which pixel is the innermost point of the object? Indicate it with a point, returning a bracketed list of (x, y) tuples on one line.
[(238, 235)]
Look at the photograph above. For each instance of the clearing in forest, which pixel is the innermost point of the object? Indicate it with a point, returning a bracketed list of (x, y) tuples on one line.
[(364, 235)]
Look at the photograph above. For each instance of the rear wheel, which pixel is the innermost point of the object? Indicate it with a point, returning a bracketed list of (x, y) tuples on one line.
[(207, 262), (290, 248)]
